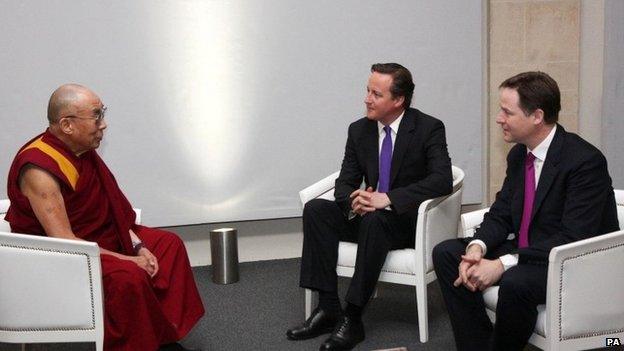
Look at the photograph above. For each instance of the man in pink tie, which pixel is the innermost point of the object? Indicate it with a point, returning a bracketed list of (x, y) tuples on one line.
[(557, 190)]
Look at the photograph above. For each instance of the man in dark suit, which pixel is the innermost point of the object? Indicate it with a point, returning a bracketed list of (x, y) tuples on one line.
[(557, 190), (401, 155)]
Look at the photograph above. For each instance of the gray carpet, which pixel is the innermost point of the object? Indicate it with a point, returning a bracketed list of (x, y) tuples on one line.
[(254, 313)]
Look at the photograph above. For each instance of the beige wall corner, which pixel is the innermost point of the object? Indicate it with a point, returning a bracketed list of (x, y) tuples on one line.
[(531, 35)]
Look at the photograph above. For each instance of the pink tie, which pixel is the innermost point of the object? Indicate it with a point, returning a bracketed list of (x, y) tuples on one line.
[(529, 197)]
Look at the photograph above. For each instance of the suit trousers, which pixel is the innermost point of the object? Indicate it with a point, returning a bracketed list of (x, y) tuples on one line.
[(521, 289), (376, 233)]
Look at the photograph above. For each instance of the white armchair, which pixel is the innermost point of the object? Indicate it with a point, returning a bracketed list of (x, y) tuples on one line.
[(585, 289), (437, 221), (51, 288)]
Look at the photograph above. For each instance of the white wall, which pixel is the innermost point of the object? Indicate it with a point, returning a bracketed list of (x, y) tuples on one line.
[(224, 110)]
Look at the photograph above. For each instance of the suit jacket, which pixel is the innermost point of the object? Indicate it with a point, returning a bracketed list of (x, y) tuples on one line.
[(573, 201), (421, 167)]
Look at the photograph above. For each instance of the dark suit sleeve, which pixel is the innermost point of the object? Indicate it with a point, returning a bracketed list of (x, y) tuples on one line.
[(497, 222), (439, 178), (587, 193), (351, 174)]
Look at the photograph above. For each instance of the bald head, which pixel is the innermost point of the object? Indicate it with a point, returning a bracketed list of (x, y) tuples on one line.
[(76, 116), (66, 99)]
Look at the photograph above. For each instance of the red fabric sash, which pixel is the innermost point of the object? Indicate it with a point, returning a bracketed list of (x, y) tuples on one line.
[(97, 209)]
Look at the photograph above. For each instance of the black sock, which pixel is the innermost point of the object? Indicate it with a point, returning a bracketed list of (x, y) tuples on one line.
[(329, 302), (354, 311)]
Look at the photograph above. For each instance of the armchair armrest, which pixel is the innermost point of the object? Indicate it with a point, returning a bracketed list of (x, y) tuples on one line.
[(55, 284), (470, 221), (323, 189), (589, 270)]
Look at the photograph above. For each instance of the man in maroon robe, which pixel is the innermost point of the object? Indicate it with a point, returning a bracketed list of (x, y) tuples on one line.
[(60, 187)]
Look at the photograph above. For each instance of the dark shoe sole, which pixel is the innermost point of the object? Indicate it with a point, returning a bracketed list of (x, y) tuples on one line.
[(289, 336), (339, 347)]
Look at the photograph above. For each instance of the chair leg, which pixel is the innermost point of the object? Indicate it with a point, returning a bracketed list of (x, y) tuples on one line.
[(99, 345), (308, 303), (23, 347), (421, 303)]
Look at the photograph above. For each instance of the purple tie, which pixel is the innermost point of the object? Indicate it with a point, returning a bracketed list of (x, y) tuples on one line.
[(529, 197), (385, 161)]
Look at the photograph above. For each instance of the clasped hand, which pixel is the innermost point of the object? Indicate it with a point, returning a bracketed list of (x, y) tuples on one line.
[(147, 261), (364, 201), (476, 272)]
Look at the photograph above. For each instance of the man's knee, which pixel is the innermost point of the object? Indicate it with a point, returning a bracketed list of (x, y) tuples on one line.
[(128, 278), (316, 206), (375, 218), (374, 226), (447, 251), (513, 286), (172, 239)]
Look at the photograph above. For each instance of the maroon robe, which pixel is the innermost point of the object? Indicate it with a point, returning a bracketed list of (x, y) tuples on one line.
[(140, 313)]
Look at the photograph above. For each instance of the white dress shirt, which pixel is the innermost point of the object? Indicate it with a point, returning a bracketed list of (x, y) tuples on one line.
[(394, 129), (539, 152)]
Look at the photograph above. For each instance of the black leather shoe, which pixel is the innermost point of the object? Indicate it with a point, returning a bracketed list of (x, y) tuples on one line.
[(175, 347), (319, 323), (348, 333)]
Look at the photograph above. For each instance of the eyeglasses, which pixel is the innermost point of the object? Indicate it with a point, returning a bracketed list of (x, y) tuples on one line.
[(98, 115)]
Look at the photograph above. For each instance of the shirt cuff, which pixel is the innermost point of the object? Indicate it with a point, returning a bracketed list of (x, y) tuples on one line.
[(480, 243), (509, 260)]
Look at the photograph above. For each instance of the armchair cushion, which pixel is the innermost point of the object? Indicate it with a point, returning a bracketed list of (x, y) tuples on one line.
[(400, 261)]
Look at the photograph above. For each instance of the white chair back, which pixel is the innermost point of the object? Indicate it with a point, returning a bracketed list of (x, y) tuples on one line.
[(436, 218), (4, 206)]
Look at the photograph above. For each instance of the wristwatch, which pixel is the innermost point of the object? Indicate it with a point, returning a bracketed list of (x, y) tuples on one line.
[(136, 246)]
